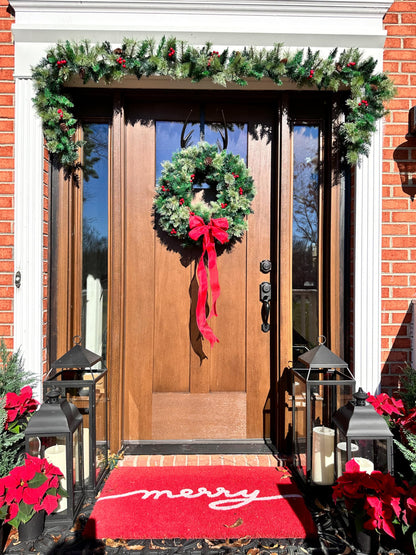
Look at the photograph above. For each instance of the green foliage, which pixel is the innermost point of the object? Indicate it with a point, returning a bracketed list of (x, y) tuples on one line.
[(230, 184), (12, 378), (12, 374), (11, 445), (408, 387), (408, 450), (179, 60)]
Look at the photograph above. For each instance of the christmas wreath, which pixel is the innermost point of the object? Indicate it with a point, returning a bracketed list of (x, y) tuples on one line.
[(197, 168), (194, 168)]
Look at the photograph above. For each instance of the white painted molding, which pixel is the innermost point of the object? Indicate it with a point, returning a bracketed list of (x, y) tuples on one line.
[(320, 24), (28, 247), (367, 271)]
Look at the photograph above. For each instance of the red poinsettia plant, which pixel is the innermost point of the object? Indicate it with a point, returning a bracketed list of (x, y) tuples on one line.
[(19, 407), (377, 500), (30, 488)]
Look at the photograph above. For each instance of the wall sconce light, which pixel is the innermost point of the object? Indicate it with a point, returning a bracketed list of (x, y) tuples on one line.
[(412, 121)]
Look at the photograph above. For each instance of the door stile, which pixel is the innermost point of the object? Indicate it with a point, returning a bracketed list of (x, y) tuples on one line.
[(285, 210), (116, 276), (258, 249), (337, 234)]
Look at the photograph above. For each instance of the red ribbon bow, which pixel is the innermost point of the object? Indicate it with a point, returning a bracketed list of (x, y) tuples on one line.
[(215, 229)]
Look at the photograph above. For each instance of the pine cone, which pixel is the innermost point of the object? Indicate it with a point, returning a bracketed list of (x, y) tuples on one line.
[(82, 73), (118, 51), (373, 87), (338, 67), (63, 126), (283, 61), (208, 161)]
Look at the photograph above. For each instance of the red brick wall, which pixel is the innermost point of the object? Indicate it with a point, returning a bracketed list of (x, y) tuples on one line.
[(399, 195), (6, 174)]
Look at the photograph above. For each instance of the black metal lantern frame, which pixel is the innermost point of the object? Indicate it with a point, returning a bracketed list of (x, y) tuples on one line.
[(321, 383), (363, 435), (82, 379), (54, 432)]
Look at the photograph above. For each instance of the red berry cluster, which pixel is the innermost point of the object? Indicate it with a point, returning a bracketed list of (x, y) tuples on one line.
[(212, 54), (240, 190), (61, 63), (165, 189), (192, 177), (181, 201), (311, 72), (363, 103), (235, 175), (224, 205), (351, 64), (60, 112), (171, 52), (173, 231), (121, 61)]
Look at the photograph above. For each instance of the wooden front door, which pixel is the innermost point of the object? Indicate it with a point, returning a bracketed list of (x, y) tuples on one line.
[(175, 386)]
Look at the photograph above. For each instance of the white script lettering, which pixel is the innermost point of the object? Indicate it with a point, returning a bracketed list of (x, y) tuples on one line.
[(231, 501)]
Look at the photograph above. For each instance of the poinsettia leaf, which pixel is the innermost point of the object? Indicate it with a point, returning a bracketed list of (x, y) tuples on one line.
[(49, 504), (37, 480)]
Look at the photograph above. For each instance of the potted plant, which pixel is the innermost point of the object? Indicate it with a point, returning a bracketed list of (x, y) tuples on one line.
[(28, 490), (377, 506)]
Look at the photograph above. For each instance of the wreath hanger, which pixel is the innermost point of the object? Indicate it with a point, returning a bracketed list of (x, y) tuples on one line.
[(185, 139)]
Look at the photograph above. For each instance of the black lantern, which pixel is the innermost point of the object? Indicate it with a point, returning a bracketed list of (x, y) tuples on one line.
[(82, 378), (363, 435), (321, 383), (54, 432)]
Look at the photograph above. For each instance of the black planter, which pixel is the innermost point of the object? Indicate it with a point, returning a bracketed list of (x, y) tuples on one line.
[(4, 534), (33, 528), (366, 541)]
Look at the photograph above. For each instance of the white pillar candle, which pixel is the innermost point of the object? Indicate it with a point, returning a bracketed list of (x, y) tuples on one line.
[(323, 455), (56, 455), (365, 464), (86, 447)]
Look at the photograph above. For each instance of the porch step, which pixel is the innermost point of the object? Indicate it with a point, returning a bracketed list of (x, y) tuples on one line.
[(203, 460)]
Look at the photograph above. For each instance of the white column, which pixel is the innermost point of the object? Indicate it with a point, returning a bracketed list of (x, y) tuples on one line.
[(28, 329), (367, 272)]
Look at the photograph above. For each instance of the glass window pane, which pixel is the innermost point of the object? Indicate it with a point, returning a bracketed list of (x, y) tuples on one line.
[(95, 238), (305, 237), (168, 139)]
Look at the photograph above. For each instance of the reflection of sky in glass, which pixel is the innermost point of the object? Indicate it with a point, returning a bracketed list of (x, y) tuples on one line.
[(305, 181), (95, 189), (305, 311), (168, 140)]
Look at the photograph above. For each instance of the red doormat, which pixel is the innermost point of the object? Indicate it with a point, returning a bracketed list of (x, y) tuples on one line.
[(193, 502)]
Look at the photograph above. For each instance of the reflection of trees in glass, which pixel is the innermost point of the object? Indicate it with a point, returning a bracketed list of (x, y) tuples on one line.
[(94, 250), (305, 237), (95, 148), (95, 238), (305, 209)]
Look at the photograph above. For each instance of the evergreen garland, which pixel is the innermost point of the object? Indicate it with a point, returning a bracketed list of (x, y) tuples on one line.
[(195, 166), (180, 60)]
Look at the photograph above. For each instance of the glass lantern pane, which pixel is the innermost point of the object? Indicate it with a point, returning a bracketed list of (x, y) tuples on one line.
[(53, 449), (101, 453), (372, 454), (299, 435), (77, 469)]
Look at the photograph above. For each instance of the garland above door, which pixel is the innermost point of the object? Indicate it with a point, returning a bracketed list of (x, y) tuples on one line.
[(368, 90)]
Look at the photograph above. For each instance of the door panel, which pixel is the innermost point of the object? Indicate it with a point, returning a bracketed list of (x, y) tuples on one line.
[(175, 385)]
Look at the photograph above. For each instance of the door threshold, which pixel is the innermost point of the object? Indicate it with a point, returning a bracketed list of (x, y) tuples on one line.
[(199, 447)]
